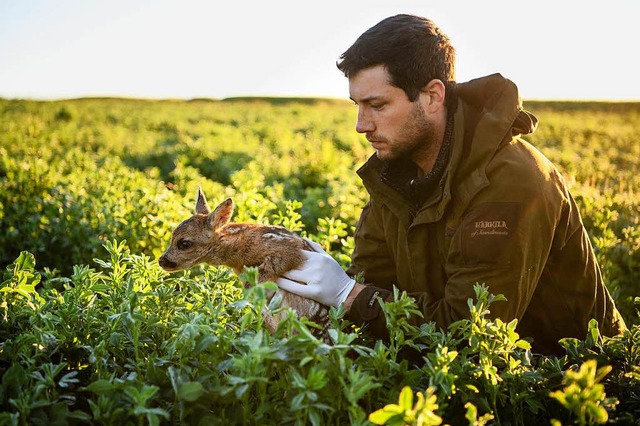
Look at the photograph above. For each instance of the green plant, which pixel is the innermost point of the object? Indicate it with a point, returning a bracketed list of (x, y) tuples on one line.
[(96, 332), (406, 412), (584, 395)]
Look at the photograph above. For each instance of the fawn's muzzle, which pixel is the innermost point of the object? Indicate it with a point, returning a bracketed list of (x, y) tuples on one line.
[(166, 263)]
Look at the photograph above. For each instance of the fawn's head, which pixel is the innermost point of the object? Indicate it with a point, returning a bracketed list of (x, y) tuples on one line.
[(195, 240)]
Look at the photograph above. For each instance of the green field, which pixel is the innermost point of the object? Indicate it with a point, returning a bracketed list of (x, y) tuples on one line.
[(93, 331)]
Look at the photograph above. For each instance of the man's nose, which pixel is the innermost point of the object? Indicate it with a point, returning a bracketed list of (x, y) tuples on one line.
[(364, 123)]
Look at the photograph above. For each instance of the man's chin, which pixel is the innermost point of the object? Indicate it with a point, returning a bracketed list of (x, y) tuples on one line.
[(384, 155)]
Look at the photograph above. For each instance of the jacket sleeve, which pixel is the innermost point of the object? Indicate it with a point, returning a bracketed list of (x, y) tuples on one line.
[(371, 258), (371, 262)]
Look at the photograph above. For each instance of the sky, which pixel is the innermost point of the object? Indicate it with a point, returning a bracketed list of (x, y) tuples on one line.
[(54, 49)]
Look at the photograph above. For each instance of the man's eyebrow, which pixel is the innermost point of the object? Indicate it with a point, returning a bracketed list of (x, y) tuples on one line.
[(367, 99)]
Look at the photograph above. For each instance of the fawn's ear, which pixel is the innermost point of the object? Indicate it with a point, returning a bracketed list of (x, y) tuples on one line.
[(201, 203), (221, 215)]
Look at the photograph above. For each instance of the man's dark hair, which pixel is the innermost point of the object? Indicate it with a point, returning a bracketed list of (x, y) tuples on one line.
[(413, 50)]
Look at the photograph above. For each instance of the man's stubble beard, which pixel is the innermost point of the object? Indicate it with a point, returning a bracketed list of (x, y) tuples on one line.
[(417, 136)]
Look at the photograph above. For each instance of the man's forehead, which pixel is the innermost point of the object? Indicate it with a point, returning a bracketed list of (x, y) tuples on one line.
[(370, 84)]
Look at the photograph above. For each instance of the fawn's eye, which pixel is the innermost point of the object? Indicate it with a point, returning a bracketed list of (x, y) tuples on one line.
[(184, 244)]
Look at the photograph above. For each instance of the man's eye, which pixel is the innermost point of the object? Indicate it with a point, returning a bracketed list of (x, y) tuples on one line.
[(377, 106), (184, 244)]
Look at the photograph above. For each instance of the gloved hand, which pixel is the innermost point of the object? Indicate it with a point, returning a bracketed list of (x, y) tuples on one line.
[(325, 280)]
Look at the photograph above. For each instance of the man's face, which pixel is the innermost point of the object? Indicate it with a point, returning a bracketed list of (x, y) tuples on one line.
[(393, 125)]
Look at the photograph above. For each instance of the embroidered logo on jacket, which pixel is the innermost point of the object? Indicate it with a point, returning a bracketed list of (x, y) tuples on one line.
[(490, 227), (489, 233)]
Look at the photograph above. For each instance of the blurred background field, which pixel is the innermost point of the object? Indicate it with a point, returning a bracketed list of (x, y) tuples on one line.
[(77, 173)]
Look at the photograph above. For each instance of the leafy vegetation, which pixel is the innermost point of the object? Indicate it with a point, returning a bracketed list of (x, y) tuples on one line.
[(93, 331)]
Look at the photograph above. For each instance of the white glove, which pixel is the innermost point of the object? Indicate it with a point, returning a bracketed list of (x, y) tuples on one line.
[(325, 280)]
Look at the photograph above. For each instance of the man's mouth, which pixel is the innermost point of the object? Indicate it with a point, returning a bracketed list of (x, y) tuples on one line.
[(376, 144), (375, 141)]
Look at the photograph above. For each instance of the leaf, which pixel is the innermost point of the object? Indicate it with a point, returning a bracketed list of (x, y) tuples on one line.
[(80, 415), (25, 261), (523, 344), (102, 263), (190, 391), (386, 415), (593, 333), (205, 343), (306, 360), (275, 302), (241, 390), (68, 379), (100, 288), (472, 413), (472, 388), (298, 381), (270, 285), (333, 334), (101, 386), (297, 402), (15, 377), (405, 401), (314, 417), (603, 371), (153, 419)]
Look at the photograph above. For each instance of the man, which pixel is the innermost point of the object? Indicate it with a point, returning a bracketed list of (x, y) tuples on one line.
[(456, 198)]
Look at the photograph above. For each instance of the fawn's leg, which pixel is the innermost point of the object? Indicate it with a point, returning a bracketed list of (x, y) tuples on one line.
[(269, 271)]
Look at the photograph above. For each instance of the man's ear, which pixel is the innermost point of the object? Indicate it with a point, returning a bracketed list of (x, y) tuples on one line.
[(221, 215), (433, 95), (201, 203)]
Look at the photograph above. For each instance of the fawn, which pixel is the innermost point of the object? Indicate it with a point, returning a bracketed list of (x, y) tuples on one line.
[(208, 237)]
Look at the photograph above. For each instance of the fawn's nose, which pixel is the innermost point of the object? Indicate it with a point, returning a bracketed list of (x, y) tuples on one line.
[(166, 263)]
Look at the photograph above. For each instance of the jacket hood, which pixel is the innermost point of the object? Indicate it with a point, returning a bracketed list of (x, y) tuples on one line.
[(493, 95)]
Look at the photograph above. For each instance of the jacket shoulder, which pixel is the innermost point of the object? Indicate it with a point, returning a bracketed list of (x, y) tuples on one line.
[(519, 166)]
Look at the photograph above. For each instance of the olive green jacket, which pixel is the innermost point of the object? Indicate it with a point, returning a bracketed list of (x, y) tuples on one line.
[(502, 215)]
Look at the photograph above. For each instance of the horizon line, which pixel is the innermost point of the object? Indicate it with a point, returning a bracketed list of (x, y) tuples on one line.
[(268, 97)]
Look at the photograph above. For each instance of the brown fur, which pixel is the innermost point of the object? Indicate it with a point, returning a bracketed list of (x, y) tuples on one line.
[(208, 237)]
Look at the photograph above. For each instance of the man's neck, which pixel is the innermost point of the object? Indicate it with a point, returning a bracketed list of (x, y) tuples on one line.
[(426, 159)]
